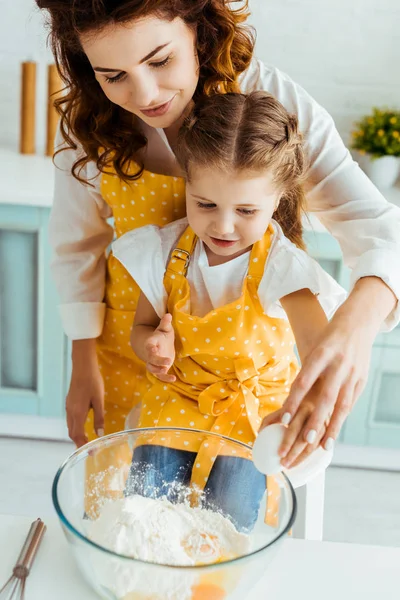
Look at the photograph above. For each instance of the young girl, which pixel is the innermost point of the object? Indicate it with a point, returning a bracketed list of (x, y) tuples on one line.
[(217, 288)]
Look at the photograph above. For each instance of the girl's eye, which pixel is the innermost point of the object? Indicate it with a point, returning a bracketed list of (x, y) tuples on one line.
[(162, 63), (247, 211), (203, 205), (118, 77)]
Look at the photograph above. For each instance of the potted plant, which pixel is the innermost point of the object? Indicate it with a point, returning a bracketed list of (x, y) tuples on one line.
[(377, 140)]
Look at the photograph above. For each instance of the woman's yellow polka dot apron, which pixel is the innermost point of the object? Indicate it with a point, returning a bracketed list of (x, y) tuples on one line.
[(152, 199), (233, 366)]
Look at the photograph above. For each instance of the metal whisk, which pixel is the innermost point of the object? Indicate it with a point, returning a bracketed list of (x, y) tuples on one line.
[(14, 588)]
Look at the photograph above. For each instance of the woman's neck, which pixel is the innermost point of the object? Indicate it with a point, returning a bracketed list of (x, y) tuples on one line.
[(172, 131)]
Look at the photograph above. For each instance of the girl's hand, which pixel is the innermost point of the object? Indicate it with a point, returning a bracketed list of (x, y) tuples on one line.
[(86, 391), (160, 350)]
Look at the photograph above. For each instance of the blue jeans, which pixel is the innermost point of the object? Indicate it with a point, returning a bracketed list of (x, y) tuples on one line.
[(234, 488)]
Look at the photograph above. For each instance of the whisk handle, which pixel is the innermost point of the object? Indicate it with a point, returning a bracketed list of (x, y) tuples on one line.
[(31, 545)]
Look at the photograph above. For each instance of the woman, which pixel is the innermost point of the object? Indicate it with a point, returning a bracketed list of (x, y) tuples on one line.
[(133, 69)]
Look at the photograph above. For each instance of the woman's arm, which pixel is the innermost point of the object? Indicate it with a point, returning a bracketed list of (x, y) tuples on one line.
[(79, 236), (339, 363), (340, 194), (367, 228), (308, 322)]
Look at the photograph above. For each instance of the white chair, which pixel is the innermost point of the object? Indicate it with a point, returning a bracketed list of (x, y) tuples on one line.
[(310, 510)]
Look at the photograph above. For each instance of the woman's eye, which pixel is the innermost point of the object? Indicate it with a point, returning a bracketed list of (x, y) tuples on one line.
[(247, 211), (203, 205), (118, 77), (162, 63)]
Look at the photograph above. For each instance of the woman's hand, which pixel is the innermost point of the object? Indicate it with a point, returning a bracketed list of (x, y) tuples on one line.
[(86, 391), (335, 371), (295, 448), (160, 350)]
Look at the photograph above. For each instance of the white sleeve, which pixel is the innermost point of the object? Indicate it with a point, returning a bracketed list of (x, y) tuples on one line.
[(338, 191), (140, 252), (79, 235), (290, 269)]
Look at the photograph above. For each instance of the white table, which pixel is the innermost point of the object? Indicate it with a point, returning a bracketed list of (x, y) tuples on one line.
[(302, 570)]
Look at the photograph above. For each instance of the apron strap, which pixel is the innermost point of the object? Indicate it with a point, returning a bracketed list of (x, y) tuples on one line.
[(259, 254), (181, 254)]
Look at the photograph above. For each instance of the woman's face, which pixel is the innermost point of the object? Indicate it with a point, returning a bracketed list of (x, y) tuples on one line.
[(148, 67)]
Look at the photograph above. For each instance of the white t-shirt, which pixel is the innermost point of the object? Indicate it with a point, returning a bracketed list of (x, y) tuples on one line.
[(287, 270), (338, 192)]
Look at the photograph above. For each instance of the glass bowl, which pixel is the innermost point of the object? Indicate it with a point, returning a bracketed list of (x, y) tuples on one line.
[(110, 469)]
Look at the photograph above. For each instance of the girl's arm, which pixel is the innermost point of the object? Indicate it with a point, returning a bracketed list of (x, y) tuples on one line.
[(144, 325), (307, 319), (153, 340)]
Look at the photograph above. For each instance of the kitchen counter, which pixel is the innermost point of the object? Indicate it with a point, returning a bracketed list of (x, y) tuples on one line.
[(302, 569)]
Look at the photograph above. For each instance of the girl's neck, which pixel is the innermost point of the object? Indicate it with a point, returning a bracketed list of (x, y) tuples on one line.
[(214, 260)]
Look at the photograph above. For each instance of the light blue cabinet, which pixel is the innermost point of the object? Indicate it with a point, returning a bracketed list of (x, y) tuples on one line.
[(34, 353), (375, 419), (33, 364)]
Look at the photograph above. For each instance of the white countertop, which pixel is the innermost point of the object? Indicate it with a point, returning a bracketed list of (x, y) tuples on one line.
[(26, 180), (302, 570)]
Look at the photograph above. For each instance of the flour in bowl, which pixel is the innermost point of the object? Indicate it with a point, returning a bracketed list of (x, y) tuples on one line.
[(170, 534), (157, 531)]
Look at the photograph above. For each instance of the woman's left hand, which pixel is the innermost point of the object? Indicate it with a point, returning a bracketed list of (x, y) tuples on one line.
[(297, 447), (333, 374)]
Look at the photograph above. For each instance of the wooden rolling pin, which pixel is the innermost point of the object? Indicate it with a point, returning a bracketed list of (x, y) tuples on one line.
[(28, 107), (53, 92)]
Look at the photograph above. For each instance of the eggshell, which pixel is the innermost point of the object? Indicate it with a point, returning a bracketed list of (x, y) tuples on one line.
[(267, 460), (265, 450)]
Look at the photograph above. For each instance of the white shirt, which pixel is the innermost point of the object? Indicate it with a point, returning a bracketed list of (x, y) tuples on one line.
[(287, 270), (338, 192)]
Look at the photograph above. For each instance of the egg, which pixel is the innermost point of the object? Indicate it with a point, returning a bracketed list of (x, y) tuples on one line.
[(267, 460), (265, 450)]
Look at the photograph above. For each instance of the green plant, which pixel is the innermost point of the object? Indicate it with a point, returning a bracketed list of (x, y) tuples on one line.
[(378, 134)]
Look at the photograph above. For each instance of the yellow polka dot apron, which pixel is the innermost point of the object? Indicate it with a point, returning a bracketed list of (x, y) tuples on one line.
[(233, 366), (152, 199)]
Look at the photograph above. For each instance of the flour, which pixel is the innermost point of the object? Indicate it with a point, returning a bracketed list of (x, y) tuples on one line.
[(165, 533), (158, 531)]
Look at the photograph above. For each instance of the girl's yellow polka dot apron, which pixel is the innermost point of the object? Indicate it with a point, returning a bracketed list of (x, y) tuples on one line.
[(152, 199), (233, 366)]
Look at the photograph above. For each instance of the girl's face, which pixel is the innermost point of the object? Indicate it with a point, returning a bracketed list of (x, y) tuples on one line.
[(148, 67), (229, 211)]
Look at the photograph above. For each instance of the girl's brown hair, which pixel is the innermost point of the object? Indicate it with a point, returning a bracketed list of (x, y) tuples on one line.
[(107, 133), (237, 132)]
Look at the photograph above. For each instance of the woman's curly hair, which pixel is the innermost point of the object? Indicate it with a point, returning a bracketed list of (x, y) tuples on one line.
[(107, 133)]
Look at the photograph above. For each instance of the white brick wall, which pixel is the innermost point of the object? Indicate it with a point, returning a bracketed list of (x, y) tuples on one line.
[(22, 37), (346, 53)]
